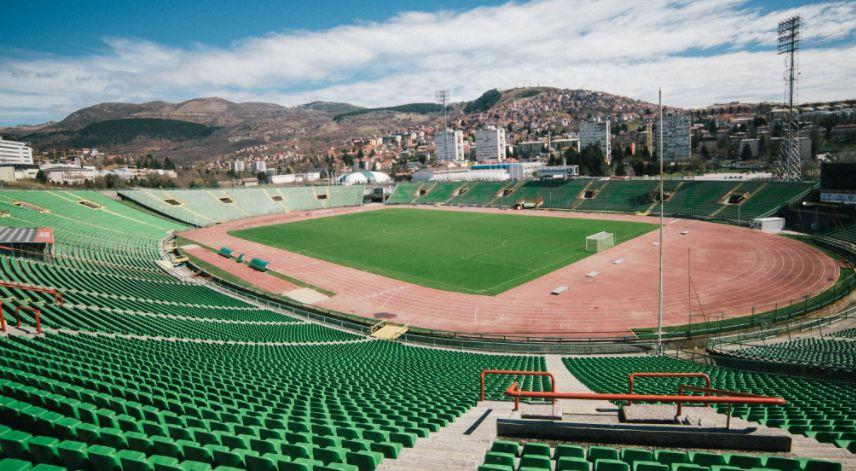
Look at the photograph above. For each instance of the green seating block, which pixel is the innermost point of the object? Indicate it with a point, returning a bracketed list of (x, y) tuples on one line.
[(502, 459), (632, 455), (688, 467), (103, 458), (782, 463), (503, 446), (535, 449), (133, 461), (388, 449), (706, 459), (572, 463), (822, 465), (669, 457), (10, 464), (46, 467), (602, 453), (14, 444), (533, 462), (44, 449), (164, 463), (495, 467), (610, 465), (191, 465), (649, 466), (746, 461), (569, 451), (73, 454), (364, 460)]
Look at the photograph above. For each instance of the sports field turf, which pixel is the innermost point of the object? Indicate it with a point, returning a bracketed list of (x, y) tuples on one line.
[(467, 252)]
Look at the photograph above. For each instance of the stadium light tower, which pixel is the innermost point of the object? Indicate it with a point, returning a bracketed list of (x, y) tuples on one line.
[(660, 257), (442, 97), (790, 165)]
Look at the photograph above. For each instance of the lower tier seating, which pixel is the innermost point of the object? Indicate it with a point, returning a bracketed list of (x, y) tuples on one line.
[(510, 456), (101, 403)]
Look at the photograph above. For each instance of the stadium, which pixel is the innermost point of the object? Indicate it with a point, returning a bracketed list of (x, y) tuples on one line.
[(456, 325)]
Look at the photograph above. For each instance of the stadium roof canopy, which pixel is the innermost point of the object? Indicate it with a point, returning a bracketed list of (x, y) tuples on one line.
[(363, 177), (26, 235)]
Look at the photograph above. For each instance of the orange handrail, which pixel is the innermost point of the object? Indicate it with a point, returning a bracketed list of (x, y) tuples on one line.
[(484, 373), (633, 376), (516, 393), (57, 295), (38, 315)]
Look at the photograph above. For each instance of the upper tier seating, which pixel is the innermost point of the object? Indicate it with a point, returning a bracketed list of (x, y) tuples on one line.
[(210, 206), (824, 410), (698, 199), (809, 351)]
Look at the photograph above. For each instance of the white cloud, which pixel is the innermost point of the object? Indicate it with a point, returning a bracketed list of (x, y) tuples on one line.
[(700, 51)]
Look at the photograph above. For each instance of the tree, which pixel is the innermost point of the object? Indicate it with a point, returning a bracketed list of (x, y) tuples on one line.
[(261, 176), (41, 177)]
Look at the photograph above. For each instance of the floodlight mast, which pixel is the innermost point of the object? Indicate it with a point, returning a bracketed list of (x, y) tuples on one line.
[(660, 257), (790, 164), (442, 97)]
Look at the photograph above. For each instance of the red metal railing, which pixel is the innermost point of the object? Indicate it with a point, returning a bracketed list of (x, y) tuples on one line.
[(686, 387), (631, 379), (484, 373), (516, 393), (58, 299)]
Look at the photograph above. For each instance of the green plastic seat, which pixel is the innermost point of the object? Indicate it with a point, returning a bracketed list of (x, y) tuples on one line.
[(572, 463), (650, 466), (535, 462), (11, 464), (610, 465), (602, 453)]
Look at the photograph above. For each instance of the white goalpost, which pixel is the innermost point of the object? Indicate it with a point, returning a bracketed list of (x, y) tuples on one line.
[(600, 241)]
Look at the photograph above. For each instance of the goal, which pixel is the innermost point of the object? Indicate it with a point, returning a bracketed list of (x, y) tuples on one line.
[(599, 241)]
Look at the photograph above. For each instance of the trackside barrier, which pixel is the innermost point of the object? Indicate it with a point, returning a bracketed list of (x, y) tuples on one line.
[(632, 378), (484, 373), (58, 299), (515, 392)]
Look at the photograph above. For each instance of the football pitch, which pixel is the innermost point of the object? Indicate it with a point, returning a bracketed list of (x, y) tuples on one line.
[(467, 252)]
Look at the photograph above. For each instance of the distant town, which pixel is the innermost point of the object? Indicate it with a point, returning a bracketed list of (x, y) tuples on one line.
[(500, 136)]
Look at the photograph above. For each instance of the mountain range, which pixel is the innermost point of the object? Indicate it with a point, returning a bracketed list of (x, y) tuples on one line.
[(205, 129)]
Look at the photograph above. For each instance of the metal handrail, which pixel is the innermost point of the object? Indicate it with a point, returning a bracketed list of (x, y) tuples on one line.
[(484, 373), (516, 393), (632, 377), (57, 295)]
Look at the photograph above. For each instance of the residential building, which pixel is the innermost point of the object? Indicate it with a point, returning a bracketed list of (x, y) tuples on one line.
[(596, 133), (238, 166), (676, 138), (259, 166), (449, 146), (490, 144), (529, 149), (15, 153)]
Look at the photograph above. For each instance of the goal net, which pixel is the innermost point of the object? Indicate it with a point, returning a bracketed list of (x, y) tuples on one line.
[(599, 241)]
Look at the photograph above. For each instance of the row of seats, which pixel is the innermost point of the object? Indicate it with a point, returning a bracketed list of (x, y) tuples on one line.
[(246, 406), (823, 410), (845, 333), (210, 206), (700, 199), (507, 455), (807, 351)]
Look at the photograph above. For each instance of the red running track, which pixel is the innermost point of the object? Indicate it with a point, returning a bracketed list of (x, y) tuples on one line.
[(734, 270)]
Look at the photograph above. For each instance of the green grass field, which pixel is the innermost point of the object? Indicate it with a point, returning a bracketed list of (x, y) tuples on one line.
[(473, 253)]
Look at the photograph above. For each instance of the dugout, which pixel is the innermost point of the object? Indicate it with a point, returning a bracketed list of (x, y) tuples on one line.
[(34, 242)]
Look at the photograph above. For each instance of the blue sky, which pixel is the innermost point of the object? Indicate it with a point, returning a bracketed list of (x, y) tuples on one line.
[(58, 56)]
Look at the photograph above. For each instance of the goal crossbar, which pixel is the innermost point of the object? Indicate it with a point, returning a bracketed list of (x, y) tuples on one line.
[(600, 241)]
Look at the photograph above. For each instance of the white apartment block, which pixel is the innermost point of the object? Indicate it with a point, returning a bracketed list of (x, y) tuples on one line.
[(676, 138), (596, 133), (259, 166), (449, 146), (238, 166), (490, 144), (15, 153)]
